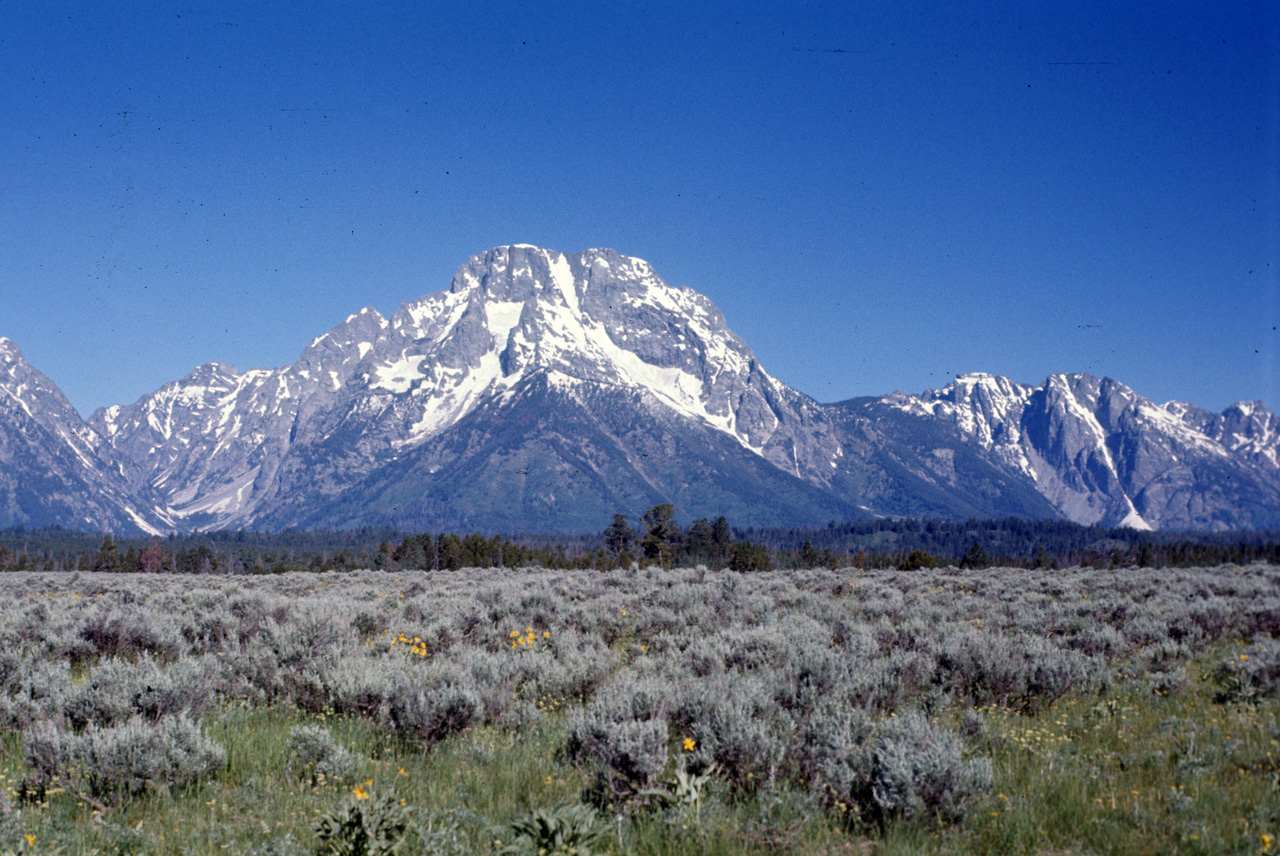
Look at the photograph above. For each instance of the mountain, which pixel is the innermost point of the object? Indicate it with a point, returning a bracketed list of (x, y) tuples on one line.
[(50, 470), (545, 391), (547, 388), (1101, 453), (207, 446)]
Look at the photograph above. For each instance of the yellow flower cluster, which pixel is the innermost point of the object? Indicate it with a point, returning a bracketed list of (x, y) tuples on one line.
[(416, 645), (526, 639)]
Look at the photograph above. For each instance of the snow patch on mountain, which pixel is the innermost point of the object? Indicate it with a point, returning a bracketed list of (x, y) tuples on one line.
[(985, 408), (532, 303), (225, 501), (1133, 520), (399, 374), (220, 447)]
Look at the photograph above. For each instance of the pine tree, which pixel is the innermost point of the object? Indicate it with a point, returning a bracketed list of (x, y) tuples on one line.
[(745, 556), (1146, 556), (918, 559), (449, 552), (619, 537), (809, 556), (108, 558), (657, 535), (976, 558)]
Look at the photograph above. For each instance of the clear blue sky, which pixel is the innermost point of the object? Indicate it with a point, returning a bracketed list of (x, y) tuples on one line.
[(877, 197)]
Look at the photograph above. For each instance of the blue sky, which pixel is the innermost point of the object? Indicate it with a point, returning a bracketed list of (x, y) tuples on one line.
[(877, 196)]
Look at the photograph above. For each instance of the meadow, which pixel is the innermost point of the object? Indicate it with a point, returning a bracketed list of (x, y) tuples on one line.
[(488, 711)]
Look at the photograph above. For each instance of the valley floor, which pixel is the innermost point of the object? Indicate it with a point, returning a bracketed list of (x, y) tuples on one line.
[(650, 712)]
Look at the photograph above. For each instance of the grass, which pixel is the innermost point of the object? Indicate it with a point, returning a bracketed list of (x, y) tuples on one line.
[(1137, 772), (1131, 772)]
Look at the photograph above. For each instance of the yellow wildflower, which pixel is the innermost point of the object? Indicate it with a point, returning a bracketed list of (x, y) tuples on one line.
[(31, 840), (401, 771), (360, 792), (690, 744)]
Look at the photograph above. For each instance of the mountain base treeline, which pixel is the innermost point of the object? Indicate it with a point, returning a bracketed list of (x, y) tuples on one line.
[(655, 538)]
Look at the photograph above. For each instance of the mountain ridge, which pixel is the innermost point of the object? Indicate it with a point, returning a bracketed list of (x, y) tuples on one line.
[(575, 369)]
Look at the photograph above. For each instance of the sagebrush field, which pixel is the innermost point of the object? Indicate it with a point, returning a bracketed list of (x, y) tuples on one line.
[(1045, 712)]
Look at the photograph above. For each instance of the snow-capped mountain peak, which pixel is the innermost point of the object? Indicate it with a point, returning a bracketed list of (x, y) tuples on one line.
[(1096, 449), (211, 443), (48, 454), (545, 390), (594, 316)]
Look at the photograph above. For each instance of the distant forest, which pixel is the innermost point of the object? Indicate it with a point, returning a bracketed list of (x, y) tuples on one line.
[(655, 537)]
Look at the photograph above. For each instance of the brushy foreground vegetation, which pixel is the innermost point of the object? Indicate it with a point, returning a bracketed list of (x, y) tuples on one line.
[(642, 712)]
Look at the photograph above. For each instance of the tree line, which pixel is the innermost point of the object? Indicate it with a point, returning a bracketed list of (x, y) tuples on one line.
[(654, 538)]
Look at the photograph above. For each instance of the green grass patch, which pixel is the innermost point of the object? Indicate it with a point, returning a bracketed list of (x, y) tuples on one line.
[(1132, 772)]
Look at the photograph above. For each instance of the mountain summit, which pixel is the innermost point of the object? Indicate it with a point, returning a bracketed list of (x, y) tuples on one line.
[(51, 472), (543, 391)]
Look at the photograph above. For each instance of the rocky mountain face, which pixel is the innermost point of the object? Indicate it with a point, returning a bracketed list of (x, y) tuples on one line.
[(209, 445), (545, 391), (51, 472), (1101, 453)]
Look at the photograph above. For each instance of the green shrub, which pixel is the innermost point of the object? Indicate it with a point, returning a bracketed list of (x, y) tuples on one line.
[(918, 769), (830, 753), (1251, 675), (365, 825), (623, 733), (735, 724), (432, 714), (122, 759), (314, 752), (918, 559), (575, 829)]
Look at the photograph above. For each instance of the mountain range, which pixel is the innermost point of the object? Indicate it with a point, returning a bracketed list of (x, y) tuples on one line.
[(544, 391)]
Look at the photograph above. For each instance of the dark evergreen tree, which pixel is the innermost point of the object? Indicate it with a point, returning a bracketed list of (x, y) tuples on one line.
[(809, 556), (698, 540), (477, 551), (745, 556), (1146, 556), (975, 558), (658, 529), (1042, 560), (618, 538), (917, 559), (449, 552), (108, 558)]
